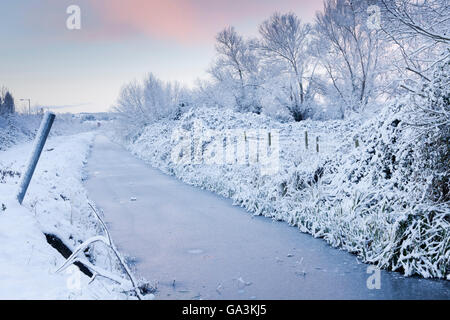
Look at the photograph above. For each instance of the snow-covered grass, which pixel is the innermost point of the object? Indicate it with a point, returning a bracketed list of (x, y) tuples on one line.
[(348, 194), (17, 128), (56, 204)]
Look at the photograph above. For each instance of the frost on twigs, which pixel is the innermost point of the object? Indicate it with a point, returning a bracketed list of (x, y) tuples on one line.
[(128, 284)]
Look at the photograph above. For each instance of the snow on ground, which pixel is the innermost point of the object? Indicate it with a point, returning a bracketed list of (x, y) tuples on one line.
[(28, 263), (18, 128), (340, 193), (56, 204)]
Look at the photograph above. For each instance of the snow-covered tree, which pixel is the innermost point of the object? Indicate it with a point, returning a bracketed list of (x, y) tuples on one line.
[(130, 104), (236, 70), (420, 30), (284, 42), (161, 99), (349, 52), (139, 105)]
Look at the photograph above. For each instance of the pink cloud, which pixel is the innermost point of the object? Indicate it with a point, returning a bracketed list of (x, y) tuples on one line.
[(191, 21)]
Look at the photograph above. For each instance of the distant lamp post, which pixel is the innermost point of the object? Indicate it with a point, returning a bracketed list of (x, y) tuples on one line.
[(29, 104)]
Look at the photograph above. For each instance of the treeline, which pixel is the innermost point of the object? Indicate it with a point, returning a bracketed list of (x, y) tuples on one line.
[(357, 55), (7, 105)]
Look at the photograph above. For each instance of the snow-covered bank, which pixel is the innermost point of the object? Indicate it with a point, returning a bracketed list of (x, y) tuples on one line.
[(354, 193), (56, 204), (18, 128)]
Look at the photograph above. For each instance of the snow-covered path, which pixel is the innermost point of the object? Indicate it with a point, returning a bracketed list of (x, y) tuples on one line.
[(196, 245)]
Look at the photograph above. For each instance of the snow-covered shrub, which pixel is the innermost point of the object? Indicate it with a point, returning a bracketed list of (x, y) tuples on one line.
[(428, 113), (383, 195), (402, 179)]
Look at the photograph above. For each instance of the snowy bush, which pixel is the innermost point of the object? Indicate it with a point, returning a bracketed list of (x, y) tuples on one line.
[(402, 179), (383, 192)]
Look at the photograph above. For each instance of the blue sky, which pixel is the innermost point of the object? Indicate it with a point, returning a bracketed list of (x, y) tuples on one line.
[(83, 70)]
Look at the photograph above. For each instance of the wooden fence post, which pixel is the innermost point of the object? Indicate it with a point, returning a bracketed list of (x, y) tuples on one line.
[(306, 140), (317, 144)]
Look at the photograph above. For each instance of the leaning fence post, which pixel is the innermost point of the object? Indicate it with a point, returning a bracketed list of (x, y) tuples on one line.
[(38, 145)]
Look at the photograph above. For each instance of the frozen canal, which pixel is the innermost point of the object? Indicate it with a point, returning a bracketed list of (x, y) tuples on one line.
[(196, 245)]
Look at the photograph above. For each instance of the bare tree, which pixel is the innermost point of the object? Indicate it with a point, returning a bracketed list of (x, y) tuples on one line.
[(420, 30), (427, 18), (285, 38), (350, 51), (161, 99), (130, 103), (139, 105), (236, 69)]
